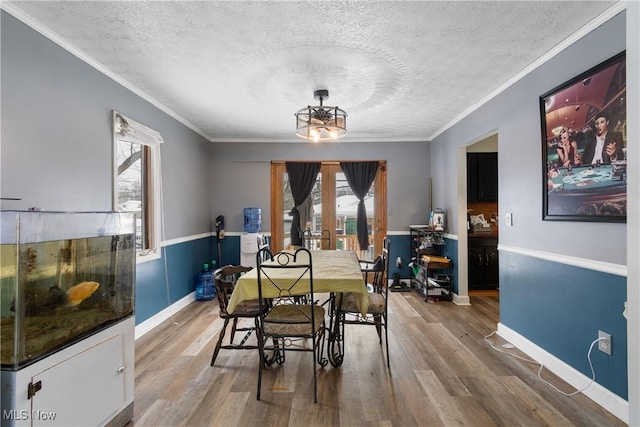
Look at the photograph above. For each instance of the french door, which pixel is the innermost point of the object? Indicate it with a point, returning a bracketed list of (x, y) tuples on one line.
[(332, 206)]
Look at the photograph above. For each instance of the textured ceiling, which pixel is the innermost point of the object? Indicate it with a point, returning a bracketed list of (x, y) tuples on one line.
[(238, 70)]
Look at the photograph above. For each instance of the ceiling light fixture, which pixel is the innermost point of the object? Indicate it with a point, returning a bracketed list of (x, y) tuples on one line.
[(320, 123)]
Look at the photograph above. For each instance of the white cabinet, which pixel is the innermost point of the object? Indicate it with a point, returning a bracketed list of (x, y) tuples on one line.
[(89, 383), (249, 247)]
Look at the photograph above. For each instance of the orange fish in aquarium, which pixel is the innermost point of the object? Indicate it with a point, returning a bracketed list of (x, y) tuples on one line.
[(80, 292)]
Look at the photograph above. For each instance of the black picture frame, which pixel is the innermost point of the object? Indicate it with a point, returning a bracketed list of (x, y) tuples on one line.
[(580, 182)]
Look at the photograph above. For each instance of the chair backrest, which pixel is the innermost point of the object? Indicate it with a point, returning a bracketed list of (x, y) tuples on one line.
[(381, 277), (264, 241), (225, 279), (284, 277), (306, 238), (316, 240)]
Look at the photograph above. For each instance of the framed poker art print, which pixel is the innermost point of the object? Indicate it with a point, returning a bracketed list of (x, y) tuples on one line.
[(584, 143)]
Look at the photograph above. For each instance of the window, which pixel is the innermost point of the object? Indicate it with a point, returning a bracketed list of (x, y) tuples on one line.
[(137, 180)]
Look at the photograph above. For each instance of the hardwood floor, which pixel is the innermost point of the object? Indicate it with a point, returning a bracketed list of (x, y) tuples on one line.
[(484, 293), (442, 373)]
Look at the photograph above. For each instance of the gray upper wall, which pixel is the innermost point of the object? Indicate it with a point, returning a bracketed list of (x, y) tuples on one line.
[(241, 176), (56, 147), (515, 115)]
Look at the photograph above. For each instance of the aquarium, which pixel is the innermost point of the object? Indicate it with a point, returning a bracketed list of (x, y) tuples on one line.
[(63, 276)]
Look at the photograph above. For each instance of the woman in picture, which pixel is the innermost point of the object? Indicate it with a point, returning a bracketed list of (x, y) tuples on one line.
[(568, 149)]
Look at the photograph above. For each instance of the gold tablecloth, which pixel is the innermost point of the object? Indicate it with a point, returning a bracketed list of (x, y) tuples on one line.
[(333, 271)]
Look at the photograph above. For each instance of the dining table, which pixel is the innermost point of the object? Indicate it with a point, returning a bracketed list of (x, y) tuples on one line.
[(334, 272)]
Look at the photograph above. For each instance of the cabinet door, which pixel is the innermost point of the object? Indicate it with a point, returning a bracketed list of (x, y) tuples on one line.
[(472, 177), (476, 268), (487, 189), (83, 390), (491, 268)]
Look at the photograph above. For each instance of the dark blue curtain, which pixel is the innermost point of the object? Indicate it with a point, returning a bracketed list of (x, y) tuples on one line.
[(360, 176), (302, 177)]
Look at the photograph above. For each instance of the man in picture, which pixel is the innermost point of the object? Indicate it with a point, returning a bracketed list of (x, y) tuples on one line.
[(605, 146)]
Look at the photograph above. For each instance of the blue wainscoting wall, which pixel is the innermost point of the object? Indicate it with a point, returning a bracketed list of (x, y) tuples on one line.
[(399, 247), (229, 248), (576, 303), (183, 263), (450, 250)]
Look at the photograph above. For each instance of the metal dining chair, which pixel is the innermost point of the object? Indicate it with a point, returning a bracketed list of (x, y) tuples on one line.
[(316, 240), (264, 241), (291, 324), (377, 312)]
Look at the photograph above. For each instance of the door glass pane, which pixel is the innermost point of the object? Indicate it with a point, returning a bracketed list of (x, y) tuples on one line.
[(287, 201), (315, 213), (310, 211), (334, 210), (314, 206), (346, 218)]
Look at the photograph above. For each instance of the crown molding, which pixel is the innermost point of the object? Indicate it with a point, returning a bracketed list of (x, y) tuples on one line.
[(69, 47), (595, 23)]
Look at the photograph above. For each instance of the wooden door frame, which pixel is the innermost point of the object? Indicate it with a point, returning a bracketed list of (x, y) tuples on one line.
[(380, 207), (329, 169)]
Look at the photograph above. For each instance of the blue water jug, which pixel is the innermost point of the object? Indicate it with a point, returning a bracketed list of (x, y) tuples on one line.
[(205, 289), (252, 220), (210, 289)]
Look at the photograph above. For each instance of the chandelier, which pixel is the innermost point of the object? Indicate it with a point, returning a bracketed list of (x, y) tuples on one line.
[(320, 123)]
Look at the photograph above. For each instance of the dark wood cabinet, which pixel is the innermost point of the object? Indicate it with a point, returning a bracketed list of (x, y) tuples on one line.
[(482, 177), (483, 263)]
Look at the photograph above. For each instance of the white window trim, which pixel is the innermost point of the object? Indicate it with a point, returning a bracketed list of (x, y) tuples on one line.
[(137, 133)]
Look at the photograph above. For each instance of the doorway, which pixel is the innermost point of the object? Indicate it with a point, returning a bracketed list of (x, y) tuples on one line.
[(331, 207), (482, 217)]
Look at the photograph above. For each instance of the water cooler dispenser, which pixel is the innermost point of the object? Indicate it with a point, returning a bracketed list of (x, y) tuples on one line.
[(249, 240)]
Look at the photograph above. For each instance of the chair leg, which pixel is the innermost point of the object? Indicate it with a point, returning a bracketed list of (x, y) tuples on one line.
[(278, 344), (234, 326), (315, 380), (320, 349), (261, 354), (378, 321), (386, 338), (219, 343)]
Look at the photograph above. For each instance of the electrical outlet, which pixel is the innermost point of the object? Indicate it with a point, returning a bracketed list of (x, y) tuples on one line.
[(604, 345)]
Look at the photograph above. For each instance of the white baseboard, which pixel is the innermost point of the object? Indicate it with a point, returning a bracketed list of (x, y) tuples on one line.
[(603, 397), (163, 315), (461, 299)]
